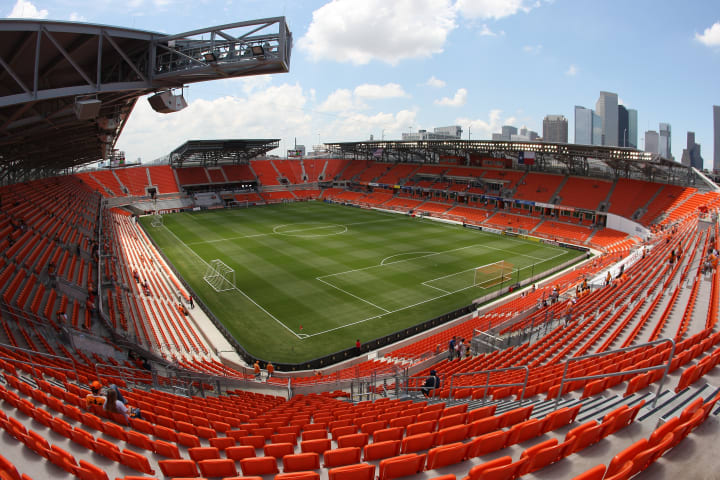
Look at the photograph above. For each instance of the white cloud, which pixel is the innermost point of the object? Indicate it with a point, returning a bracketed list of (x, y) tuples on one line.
[(532, 49), (484, 129), (76, 17), (341, 100), (711, 36), (571, 71), (23, 9), (370, 91), (457, 101), (362, 31), (344, 101), (494, 9), (434, 82), (359, 125), (486, 32), (274, 112)]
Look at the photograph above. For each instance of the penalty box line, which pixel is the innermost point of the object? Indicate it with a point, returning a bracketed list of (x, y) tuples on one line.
[(234, 286), (375, 317)]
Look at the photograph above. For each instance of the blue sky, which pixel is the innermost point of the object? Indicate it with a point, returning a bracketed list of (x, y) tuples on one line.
[(361, 68)]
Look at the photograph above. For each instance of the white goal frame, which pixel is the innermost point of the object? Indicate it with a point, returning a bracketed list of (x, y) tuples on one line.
[(493, 274), (157, 220), (219, 276)]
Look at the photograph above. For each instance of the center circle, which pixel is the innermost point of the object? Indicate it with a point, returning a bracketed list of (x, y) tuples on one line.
[(309, 229)]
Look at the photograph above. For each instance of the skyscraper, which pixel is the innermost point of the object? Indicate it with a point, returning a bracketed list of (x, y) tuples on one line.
[(716, 138), (632, 134), (607, 108), (691, 154), (555, 129), (623, 126), (588, 127), (508, 131), (651, 141), (665, 143)]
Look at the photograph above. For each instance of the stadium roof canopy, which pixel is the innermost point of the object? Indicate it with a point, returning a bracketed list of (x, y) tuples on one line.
[(584, 160), (213, 152), (67, 89)]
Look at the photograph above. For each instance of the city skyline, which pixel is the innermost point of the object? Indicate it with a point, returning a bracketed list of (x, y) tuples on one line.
[(398, 67)]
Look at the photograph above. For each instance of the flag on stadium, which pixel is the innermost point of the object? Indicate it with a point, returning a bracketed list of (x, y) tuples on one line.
[(526, 158), (378, 153)]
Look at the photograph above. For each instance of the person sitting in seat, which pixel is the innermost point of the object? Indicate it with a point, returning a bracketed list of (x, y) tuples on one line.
[(95, 398), (431, 383)]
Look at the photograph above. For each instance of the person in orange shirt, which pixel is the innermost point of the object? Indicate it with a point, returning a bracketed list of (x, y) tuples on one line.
[(95, 398), (270, 369), (256, 367)]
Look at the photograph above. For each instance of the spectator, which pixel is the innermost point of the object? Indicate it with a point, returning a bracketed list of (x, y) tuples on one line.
[(270, 369), (431, 383), (256, 368), (95, 398), (451, 349), (358, 347)]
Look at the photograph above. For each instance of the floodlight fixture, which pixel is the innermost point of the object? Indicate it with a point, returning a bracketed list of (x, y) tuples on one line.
[(257, 50), (210, 57)]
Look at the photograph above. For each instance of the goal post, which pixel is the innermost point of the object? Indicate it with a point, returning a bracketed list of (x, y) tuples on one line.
[(493, 274), (157, 220), (219, 276)]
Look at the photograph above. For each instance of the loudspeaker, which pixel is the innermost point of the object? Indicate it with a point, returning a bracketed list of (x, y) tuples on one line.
[(87, 109), (166, 102), (151, 192)]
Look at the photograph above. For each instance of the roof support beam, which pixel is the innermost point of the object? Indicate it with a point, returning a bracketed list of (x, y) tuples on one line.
[(68, 57), (124, 56)]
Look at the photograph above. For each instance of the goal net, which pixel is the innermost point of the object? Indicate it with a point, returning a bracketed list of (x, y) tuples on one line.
[(219, 276), (493, 274), (157, 220)]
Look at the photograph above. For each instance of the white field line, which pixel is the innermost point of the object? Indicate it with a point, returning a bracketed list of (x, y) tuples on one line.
[(287, 232), (351, 294), (401, 254), (431, 255), (415, 304), (432, 286), (234, 287)]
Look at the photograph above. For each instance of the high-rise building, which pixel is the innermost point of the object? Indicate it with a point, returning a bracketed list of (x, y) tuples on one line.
[(588, 127), (665, 143), (691, 154), (508, 131), (555, 129), (716, 138), (623, 126), (453, 132), (632, 133), (652, 139), (607, 108)]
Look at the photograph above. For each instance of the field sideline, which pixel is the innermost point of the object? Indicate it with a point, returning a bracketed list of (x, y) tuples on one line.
[(313, 277)]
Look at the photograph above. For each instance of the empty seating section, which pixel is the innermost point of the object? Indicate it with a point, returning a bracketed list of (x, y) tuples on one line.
[(584, 193), (608, 237), (290, 169), (135, 179), (433, 207), (669, 197), (630, 195), (192, 176), (249, 198), (238, 173), (163, 178), (216, 175), (538, 187), (334, 167), (397, 173), (373, 171), (517, 222), (307, 193), (265, 171), (564, 231), (508, 178)]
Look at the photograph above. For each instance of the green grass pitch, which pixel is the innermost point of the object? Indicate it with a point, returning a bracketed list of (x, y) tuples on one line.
[(338, 272)]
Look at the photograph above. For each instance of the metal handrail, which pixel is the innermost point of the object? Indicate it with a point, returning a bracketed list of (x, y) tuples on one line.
[(626, 372), (487, 383)]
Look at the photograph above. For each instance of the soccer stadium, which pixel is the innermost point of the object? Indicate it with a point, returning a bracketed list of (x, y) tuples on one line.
[(426, 309)]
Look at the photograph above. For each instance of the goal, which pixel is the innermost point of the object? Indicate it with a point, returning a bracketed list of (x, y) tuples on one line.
[(493, 274), (219, 276), (157, 220)]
